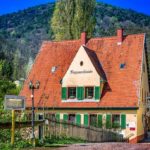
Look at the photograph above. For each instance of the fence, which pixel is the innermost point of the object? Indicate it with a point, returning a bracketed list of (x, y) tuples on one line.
[(61, 128), (89, 134)]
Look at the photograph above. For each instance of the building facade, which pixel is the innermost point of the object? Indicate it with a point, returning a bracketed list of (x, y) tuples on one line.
[(101, 82)]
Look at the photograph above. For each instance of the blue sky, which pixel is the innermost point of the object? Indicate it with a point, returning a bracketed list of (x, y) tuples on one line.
[(137, 5), (8, 6)]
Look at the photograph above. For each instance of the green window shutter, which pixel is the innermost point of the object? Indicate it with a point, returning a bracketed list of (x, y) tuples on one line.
[(108, 121), (80, 93), (86, 120), (64, 93), (123, 121), (57, 117), (100, 122), (65, 117), (78, 119), (97, 93)]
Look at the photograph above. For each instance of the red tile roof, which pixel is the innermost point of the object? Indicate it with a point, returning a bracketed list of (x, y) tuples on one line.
[(122, 87)]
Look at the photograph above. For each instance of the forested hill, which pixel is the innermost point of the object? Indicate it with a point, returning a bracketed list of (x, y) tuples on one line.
[(22, 33)]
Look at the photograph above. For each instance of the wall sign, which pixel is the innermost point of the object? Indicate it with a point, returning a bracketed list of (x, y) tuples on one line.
[(13, 102), (131, 125), (80, 72)]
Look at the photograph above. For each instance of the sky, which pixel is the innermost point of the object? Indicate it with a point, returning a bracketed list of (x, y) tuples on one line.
[(9, 6), (142, 6)]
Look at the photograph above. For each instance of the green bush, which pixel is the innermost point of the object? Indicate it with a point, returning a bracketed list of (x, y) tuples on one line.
[(5, 139), (18, 145), (62, 140), (5, 146)]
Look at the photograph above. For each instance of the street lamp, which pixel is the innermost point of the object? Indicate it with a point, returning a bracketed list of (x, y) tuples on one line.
[(32, 87)]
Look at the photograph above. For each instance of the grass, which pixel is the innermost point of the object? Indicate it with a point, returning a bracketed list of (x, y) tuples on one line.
[(52, 141), (57, 141)]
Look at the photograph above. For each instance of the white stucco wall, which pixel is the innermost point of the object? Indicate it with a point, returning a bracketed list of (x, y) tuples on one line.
[(85, 75)]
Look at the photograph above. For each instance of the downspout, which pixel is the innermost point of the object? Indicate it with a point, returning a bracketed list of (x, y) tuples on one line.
[(141, 73)]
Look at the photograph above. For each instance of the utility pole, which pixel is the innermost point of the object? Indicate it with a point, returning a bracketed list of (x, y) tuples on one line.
[(33, 117)]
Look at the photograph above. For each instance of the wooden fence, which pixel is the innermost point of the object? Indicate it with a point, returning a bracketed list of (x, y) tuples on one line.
[(89, 134), (49, 127)]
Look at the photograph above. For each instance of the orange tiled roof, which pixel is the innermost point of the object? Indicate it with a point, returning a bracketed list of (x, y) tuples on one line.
[(122, 87)]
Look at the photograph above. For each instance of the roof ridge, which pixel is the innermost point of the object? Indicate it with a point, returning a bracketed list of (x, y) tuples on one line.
[(114, 37), (93, 38), (74, 40)]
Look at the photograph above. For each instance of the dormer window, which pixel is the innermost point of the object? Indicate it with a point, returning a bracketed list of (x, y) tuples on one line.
[(80, 93), (89, 92), (71, 92), (53, 69)]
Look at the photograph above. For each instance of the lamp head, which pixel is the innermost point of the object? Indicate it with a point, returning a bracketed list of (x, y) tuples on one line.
[(37, 84), (30, 85)]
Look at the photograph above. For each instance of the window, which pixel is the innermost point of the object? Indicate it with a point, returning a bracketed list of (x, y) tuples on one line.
[(116, 121), (53, 69), (93, 120), (89, 92), (72, 118), (81, 63), (41, 117), (81, 93), (143, 67), (52, 117), (72, 92), (122, 66)]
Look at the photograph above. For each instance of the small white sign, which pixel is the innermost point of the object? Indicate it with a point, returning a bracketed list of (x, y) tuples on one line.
[(132, 125), (81, 72)]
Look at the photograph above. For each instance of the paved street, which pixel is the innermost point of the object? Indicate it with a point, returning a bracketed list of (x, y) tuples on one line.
[(108, 146), (103, 146)]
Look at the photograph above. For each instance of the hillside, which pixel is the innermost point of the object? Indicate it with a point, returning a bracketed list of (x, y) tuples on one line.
[(22, 33)]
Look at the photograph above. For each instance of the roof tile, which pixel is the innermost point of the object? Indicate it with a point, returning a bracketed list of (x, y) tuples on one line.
[(122, 88)]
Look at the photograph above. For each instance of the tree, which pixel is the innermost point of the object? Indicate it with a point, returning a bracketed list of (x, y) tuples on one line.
[(62, 19), (6, 67), (7, 70), (71, 17), (84, 19), (17, 56)]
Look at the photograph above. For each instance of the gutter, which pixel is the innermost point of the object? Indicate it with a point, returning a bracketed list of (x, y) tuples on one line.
[(86, 108)]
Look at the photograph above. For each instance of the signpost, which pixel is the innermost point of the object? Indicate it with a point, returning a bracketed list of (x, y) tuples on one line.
[(13, 103)]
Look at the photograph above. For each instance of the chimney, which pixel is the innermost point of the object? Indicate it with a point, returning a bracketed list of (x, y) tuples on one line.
[(83, 38), (119, 36)]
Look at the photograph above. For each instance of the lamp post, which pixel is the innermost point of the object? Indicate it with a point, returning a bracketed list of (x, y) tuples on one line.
[(32, 87)]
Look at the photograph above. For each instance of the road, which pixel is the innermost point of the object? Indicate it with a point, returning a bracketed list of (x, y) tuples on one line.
[(102, 146)]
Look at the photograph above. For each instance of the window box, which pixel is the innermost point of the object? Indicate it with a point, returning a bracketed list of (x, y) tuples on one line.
[(89, 97), (72, 97)]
